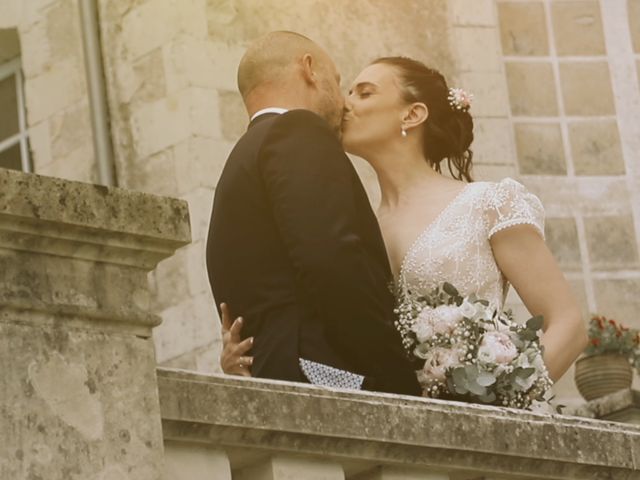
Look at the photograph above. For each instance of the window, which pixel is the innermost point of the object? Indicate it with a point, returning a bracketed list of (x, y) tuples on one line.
[(14, 137)]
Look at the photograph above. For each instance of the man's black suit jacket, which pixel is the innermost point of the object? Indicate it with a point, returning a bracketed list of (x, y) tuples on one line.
[(295, 248)]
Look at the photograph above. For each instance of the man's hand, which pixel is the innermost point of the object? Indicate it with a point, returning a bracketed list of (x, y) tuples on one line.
[(232, 359)]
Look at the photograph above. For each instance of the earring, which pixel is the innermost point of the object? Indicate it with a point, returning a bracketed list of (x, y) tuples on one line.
[(403, 132)]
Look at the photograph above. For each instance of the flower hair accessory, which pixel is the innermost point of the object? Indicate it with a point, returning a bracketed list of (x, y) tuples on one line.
[(459, 99)]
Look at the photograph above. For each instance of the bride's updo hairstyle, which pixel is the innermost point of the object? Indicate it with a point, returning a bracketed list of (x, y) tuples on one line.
[(448, 132)]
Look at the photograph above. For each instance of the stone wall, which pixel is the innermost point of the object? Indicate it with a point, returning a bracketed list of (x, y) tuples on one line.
[(556, 93), (575, 105)]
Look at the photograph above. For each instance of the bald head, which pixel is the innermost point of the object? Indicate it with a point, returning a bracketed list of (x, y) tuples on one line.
[(286, 69), (272, 56)]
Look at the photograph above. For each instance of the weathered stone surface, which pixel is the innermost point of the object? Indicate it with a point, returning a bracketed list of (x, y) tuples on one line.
[(618, 298), (79, 388), (578, 289), (170, 120), (622, 406), (523, 28), (540, 149), (75, 403), (70, 130), (596, 148), (286, 467), (490, 93), (595, 196), (577, 27), (379, 429), (561, 235), (155, 174), (156, 22), (149, 74), (234, 114), (476, 49), (195, 463), (477, 13), (531, 89), (190, 62), (78, 165), (586, 88), (492, 143), (99, 209), (612, 242), (66, 79), (199, 162)]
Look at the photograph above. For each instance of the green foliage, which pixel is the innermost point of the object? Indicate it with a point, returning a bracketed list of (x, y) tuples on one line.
[(609, 336)]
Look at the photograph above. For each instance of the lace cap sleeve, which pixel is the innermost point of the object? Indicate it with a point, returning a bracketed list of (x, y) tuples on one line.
[(510, 204)]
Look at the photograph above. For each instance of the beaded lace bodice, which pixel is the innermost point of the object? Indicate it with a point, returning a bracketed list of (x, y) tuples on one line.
[(455, 246)]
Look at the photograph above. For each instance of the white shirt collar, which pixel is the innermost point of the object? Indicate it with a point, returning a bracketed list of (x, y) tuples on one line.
[(268, 110)]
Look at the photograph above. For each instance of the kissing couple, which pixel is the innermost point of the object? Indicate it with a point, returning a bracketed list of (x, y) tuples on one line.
[(315, 277)]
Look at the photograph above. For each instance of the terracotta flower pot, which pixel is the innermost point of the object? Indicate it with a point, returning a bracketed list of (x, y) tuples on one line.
[(600, 375)]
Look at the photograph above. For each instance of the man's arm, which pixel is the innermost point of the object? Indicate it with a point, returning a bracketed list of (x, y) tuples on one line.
[(308, 180)]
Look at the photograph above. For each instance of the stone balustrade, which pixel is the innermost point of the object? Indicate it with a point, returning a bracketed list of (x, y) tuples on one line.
[(252, 429)]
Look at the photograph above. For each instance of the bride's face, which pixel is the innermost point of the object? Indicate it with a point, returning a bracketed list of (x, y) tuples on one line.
[(374, 110)]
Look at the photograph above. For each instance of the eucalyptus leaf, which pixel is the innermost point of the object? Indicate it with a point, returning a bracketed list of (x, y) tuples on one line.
[(485, 379), (450, 289), (535, 323), (525, 372)]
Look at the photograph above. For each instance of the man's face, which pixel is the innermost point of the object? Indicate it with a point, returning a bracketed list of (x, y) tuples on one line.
[(331, 99)]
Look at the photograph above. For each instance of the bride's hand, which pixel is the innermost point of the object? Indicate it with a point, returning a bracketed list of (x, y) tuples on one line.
[(232, 359)]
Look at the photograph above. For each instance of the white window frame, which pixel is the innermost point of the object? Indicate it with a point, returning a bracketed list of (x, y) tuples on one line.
[(14, 67)]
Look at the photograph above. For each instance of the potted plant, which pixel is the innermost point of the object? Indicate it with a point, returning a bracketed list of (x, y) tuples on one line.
[(606, 366)]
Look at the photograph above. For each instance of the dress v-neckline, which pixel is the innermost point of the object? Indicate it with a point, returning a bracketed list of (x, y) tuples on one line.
[(426, 230)]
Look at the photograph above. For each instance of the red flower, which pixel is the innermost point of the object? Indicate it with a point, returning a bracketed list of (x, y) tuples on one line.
[(595, 341)]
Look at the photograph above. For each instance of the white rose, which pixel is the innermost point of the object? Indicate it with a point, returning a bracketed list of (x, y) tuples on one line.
[(423, 325), (446, 318), (497, 347), (423, 331), (467, 309)]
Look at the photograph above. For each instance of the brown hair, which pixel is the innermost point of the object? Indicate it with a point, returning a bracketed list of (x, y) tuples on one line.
[(448, 132)]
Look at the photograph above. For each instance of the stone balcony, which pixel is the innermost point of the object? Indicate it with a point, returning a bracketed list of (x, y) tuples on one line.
[(81, 397), (252, 429)]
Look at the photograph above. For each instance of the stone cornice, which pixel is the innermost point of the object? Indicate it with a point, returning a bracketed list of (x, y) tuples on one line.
[(92, 222), (245, 415)]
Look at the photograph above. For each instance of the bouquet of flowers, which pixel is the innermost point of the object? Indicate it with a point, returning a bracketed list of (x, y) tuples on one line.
[(609, 336), (470, 351)]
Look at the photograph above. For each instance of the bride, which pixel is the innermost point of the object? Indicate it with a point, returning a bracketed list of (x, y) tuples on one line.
[(481, 237)]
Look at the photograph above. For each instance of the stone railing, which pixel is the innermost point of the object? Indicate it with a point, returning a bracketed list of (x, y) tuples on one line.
[(81, 398), (251, 429), (622, 406)]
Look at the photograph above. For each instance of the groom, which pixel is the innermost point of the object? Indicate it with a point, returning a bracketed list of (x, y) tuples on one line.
[(293, 244)]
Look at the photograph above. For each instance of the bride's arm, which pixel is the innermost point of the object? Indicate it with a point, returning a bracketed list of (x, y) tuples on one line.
[(526, 262)]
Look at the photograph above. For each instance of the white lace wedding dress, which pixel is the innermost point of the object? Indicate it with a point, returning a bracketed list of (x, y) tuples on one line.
[(455, 246)]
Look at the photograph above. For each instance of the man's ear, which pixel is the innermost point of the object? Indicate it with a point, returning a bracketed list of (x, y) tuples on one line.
[(309, 66), (416, 114)]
